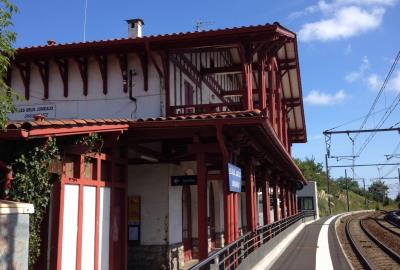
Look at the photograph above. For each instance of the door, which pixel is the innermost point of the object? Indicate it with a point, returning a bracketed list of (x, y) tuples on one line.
[(186, 223), (211, 217)]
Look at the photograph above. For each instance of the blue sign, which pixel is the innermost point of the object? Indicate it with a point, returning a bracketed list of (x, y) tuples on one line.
[(234, 178)]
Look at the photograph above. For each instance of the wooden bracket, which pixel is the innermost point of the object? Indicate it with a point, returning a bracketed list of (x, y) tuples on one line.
[(103, 66), (43, 67), (145, 69), (123, 64), (153, 60), (25, 72), (83, 70), (62, 64)]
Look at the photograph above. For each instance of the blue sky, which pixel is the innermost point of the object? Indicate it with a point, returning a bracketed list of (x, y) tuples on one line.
[(346, 48)]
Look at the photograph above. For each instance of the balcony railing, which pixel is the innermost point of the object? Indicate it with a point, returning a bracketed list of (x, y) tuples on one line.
[(233, 254)]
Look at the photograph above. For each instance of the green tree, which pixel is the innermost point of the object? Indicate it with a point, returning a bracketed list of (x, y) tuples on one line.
[(353, 185), (378, 191), (397, 198), (312, 171), (7, 39)]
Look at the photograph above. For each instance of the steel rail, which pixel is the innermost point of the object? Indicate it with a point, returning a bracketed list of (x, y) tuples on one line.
[(392, 254), (359, 254), (387, 228)]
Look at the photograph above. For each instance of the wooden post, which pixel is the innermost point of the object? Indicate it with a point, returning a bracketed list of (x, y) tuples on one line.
[(261, 82), (266, 201), (235, 214), (289, 200), (250, 197), (276, 201), (202, 205), (283, 200)]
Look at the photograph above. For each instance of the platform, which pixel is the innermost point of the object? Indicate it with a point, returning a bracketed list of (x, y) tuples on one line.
[(315, 247)]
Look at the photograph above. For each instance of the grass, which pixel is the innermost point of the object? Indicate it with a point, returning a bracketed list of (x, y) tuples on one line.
[(339, 202)]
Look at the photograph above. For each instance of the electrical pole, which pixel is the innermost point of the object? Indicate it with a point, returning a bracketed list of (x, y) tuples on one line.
[(327, 181), (365, 194), (347, 190)]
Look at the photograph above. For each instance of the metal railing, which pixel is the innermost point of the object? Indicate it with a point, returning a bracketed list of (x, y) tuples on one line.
[(230, 256)]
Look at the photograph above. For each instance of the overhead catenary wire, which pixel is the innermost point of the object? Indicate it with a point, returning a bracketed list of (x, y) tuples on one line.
[(392, 68), (388, 111)]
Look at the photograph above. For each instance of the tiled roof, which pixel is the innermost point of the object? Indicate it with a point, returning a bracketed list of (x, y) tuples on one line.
[(160, 36), (58, 123), (62, 123)]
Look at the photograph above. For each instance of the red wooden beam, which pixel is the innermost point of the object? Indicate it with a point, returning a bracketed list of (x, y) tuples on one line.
[(25, 72), (83, 70), (145, 69), (102, 61), (233, 93), (166, 72), (62, 64), (203, 147), (262, 83), (123, 64), (43, 67)]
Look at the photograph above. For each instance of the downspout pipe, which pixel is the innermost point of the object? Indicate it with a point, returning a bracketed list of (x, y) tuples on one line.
[(8, 179)]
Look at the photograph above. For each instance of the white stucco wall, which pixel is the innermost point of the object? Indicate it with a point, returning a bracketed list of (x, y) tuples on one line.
[(76, 105), (150, 182)]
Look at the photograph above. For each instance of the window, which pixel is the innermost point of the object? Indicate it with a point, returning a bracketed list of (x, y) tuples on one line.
[(307, 203)]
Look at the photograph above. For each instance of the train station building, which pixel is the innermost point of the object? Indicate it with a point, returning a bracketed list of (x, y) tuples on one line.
[(196, 129)]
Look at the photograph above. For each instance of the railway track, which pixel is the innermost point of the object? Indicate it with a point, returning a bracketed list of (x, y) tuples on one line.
[(380, 220), (370, 251)]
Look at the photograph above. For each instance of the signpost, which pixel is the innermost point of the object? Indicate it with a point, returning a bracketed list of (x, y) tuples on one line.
[(234, 178), (27, 112), (183, 180)]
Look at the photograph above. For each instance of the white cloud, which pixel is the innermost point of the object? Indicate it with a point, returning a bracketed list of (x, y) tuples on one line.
[(316, 97), (394, 83), (345, 22), (375, 82), (340, 19), (355, 75)]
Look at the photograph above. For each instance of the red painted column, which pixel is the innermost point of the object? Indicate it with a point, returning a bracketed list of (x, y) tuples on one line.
[(283, 199), (236, 216), (232, 215), (227, 211), (276, 201), (202, 205), (266, 201), (289, 199), (250, 197), (294, 200)]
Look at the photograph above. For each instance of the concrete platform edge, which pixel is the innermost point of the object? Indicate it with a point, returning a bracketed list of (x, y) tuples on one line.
[(273, 254)]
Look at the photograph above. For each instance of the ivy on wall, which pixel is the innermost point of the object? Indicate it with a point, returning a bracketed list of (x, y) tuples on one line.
[(33, 184), (93, 143)]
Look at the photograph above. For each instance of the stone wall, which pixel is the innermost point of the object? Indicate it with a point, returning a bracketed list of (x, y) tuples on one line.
[(14, 235)]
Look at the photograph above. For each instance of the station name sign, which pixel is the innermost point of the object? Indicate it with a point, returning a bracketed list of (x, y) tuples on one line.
[(27, 112), (234, 178), (183, 180)]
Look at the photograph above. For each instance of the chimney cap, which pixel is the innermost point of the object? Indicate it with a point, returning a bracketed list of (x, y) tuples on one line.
[(137, 20), (51, 42), (39, 117)]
